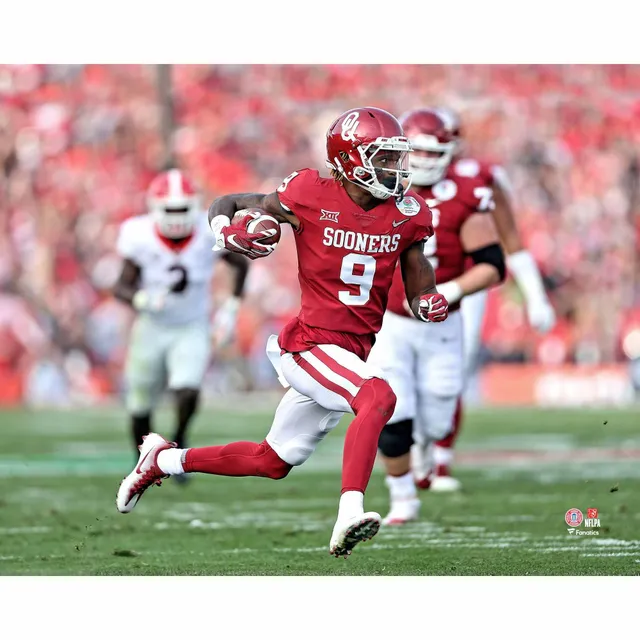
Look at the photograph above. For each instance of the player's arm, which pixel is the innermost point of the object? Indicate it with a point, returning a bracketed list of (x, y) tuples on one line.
[(228, 206), (520, 262), (236, 238), (127, 289), (128, 283), (479, 239), (240, 268), (225, 321), (419, 278), (505, 220)]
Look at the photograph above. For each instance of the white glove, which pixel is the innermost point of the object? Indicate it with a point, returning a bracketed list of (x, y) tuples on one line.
[(525, 272), (149, 301), (225, 321), (541, 315)]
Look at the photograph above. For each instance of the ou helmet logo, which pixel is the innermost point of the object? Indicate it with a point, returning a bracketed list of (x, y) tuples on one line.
[(349, 126)]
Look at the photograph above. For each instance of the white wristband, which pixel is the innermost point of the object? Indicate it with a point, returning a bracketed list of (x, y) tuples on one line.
[(217, 224), (451, 290), (527, 276)]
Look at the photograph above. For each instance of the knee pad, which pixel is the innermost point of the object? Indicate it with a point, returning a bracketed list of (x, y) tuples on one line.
[(270, 464), (376, 393), (396, 439)]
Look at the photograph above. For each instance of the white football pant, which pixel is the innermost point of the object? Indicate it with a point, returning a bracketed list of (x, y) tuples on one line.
[(177, 354), (323, 383), (423, 363)]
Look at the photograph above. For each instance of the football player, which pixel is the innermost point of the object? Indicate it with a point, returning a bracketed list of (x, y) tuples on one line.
[(350, 231), (424, 363), (520, 264), (166, 278)]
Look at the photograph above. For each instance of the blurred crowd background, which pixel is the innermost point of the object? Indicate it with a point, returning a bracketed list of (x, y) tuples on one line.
[(80, 144)]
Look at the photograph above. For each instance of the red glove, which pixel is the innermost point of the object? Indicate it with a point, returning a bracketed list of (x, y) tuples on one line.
[(239, 240), (433, 307), (236, 238)]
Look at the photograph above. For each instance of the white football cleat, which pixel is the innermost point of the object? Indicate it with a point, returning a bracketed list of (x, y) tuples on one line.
[(348, 532), (402, 511), (145, 474), (444, 484)]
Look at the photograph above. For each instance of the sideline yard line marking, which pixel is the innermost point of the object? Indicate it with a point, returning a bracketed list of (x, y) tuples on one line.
[(609, 555), (610, 461), (17, 530)]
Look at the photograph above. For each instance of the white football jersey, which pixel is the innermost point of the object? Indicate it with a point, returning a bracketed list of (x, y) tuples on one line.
[(163, 267)]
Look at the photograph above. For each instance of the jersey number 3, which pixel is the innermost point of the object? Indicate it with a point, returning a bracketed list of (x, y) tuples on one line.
[(357, 270), (180, 280)]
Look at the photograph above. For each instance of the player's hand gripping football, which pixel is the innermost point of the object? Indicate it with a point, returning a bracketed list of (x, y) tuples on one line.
[(236, 238), (433, 307)]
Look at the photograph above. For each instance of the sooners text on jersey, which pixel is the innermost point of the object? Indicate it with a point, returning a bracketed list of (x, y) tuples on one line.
[(346, 260), (452, 201), (187, 270)]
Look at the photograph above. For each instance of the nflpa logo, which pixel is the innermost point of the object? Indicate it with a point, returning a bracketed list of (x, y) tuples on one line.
[(592, 519)]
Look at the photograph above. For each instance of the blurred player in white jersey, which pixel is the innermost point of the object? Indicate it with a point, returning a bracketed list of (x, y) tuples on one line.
[(522, 267), (166, 277)]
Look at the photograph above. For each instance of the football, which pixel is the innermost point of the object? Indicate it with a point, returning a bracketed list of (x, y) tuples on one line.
[(259, 221)]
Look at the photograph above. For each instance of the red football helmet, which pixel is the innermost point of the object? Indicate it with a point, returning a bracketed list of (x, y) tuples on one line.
[(368, 147), (451, 121), (432, 142), (173, 203)]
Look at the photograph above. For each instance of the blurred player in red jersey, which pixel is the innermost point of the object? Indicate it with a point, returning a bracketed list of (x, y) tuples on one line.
[(522, 267), (424, 364), (167, 267), (350, 231)]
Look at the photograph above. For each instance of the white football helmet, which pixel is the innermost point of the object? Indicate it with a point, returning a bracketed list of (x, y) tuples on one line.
[(174, 204)]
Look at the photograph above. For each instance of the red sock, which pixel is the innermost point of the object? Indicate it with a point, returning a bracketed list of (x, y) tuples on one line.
[(237, 459), (450, 440), (373, 407)]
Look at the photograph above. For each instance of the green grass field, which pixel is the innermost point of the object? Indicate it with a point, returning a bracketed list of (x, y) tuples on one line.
[(522, 470)]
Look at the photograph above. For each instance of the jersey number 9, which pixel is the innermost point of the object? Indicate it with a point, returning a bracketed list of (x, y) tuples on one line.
[(366, 267)]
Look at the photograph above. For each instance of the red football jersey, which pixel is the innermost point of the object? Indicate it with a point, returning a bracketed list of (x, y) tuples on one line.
[(490, 173), (472, 168), (452, 201), (346, 260)]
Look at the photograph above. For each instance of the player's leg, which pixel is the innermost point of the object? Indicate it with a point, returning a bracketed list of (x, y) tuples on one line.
[(299, 424), (187, 401), (160, 459), (187, 362), (441, 379), (442, 456), (394, 353), (337, 381), (472, 311), (340, 381), (144, 375)]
